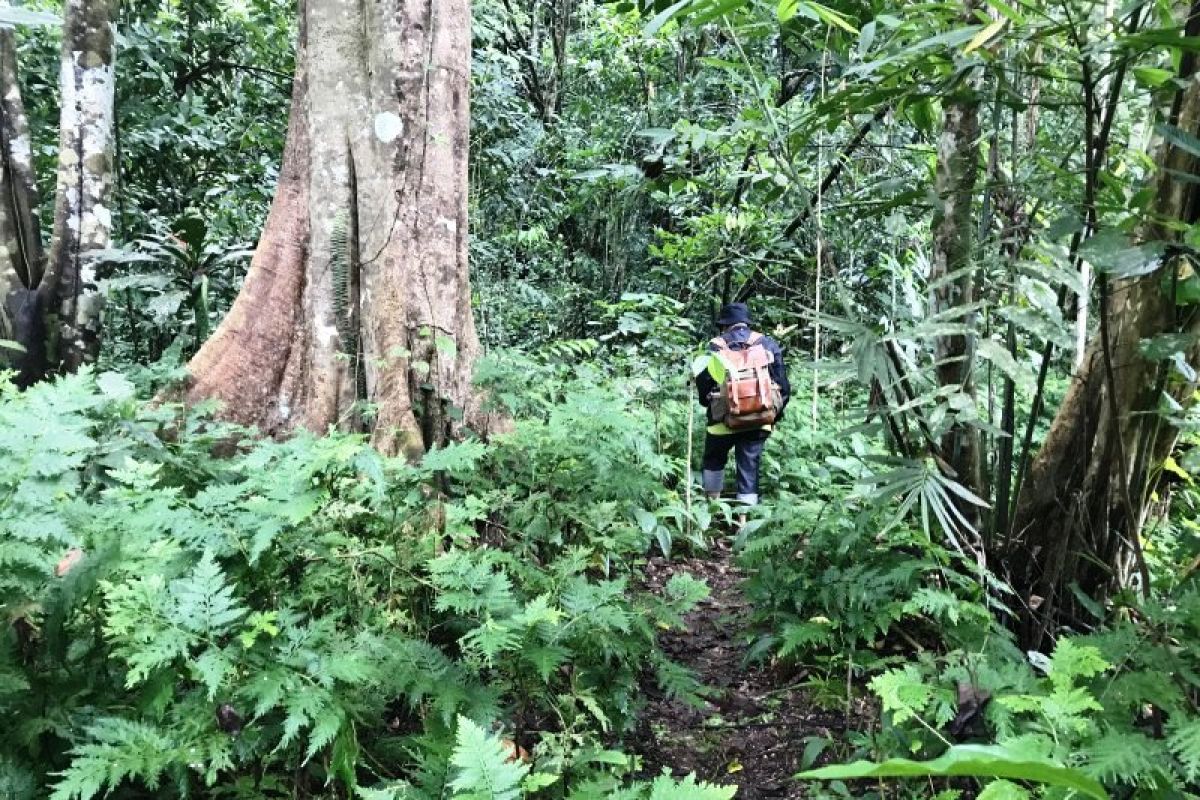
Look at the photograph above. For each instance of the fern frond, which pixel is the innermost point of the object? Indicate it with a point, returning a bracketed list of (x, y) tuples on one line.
[(665, 787), (486, 768), (1184, 742), (1124, 757), (1003, 790), (119, 749)]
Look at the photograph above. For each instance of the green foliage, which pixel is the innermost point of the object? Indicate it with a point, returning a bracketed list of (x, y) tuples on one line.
[(485, 768), (972, 761), (307, 611), (829, 575)]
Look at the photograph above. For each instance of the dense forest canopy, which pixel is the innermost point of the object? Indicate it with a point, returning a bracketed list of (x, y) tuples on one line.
[(349, 436)]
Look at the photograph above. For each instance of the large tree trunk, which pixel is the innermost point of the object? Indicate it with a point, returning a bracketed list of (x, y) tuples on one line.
[(356, 310), (951, 274), (82, 213), (1082, 506)]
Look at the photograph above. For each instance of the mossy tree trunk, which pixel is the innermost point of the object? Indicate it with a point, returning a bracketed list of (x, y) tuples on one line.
[(356, 310)]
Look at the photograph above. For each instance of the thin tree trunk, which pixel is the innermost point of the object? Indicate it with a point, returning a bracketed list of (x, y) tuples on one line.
[(22, 259), (1079, 516), (952, 278), (82, 214), (1083, 299), (357, 303)]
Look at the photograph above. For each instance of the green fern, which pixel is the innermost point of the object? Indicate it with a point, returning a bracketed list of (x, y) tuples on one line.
[(119, 749), (907, 695), (1125, 757), (486, 768), (664, 787), (1184, 742), (1071, 662)]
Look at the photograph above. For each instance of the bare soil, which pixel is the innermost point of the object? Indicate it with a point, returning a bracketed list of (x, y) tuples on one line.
[(757, 721)]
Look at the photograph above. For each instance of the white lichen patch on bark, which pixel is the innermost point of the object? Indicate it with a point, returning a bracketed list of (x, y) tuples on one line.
[(83, 222)]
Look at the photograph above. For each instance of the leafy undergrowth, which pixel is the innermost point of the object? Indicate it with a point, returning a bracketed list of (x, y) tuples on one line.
[(191, 612), (852, 595)]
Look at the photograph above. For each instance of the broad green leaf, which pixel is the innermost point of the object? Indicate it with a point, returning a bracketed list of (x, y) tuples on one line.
[(705, 11), (1152, 76), (1111, 252), (538, 780), (788, 9), (833, 18), (978, 761), (666, 15), (717, 368), (866, 38), (1003, 790), (1003, 360)]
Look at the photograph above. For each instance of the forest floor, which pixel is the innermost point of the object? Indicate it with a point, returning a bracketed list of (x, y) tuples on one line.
[(757, 722)]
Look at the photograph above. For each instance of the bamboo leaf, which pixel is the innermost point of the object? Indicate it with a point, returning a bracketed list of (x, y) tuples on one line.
[(666, 15), (1003, 360), (10, 17), (985, 35), (1179, 138)]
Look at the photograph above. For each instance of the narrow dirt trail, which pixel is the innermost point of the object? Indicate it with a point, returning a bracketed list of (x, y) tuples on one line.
[(754, 729)]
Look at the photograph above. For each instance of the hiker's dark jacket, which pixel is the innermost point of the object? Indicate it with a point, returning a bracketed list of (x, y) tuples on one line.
[(737, 338)]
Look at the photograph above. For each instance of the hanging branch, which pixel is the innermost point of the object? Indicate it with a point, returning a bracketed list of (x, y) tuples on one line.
[(835, 171)]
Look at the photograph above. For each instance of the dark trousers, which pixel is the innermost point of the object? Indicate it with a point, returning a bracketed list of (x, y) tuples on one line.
[(747, 447)]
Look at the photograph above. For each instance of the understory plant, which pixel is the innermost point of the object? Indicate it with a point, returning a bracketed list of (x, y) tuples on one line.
[(190, 611)]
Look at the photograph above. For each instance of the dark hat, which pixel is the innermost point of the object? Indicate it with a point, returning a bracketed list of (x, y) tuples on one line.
[(734, 314)]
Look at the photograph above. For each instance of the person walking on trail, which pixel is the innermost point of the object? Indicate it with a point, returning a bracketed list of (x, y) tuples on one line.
[(745, 389)]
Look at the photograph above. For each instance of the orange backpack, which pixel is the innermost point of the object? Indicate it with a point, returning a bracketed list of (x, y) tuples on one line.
[(749, 398)]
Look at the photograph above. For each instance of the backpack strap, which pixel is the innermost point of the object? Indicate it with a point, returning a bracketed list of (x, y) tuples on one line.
[(756, 340)]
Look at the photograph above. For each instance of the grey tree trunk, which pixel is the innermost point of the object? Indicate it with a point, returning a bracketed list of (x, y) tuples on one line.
[(22, 260), (1082, 507), (356, 310), (952, 277), (82, 214)]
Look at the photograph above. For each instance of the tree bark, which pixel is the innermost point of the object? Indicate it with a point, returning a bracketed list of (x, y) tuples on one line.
[(356, 310), (951, 276), (1081, 509), (82, 216), (22, 259)]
